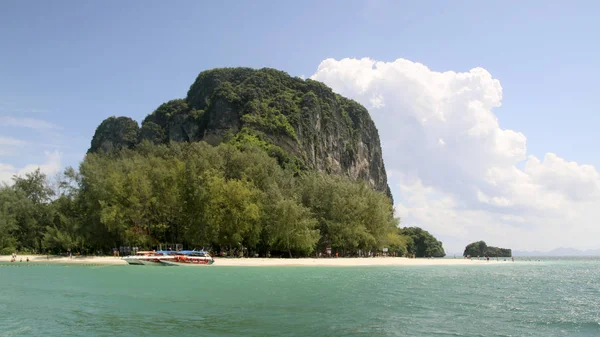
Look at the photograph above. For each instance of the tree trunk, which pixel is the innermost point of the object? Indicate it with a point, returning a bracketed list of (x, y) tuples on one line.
[(290, 251)]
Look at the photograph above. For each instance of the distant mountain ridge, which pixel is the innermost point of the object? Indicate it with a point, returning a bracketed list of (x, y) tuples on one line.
[(562, 251)]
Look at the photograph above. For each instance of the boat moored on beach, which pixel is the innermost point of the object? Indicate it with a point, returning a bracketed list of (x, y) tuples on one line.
[(190, 258), (170, 258), (150, 258)]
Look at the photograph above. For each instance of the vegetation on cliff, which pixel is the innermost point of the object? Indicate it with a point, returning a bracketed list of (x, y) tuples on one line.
[(114, 134), (480, 248), (302, 123)]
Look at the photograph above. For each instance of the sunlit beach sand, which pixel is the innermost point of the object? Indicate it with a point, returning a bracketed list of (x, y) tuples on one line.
[(259, 262)]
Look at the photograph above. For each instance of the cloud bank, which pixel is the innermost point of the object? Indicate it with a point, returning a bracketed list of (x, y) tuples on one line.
[(41, 134), (457, 172), (50, 167)]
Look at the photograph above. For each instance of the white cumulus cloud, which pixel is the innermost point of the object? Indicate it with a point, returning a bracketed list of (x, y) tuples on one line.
[(456, 169), (50, 167)]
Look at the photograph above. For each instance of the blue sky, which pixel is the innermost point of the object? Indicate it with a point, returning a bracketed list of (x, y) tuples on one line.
[(67, 65)]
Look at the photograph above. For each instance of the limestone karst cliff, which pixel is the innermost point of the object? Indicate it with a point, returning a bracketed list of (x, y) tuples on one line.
[(303, 123)]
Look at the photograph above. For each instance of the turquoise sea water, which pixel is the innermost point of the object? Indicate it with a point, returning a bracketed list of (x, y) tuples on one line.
[(552, 297)]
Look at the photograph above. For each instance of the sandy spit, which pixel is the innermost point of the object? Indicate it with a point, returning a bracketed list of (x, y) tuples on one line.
[(258, 262), (93, 260)]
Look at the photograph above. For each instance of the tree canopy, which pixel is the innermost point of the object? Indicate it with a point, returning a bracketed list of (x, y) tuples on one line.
[(422, 243), (114, 134), (232, 198)]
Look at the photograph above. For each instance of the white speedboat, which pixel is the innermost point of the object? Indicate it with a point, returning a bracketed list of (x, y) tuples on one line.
[(189, 258), (150, 258)]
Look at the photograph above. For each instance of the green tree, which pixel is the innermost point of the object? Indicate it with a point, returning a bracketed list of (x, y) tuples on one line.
[(10, 202), (35, 187), (233, 212), (64, 233), (397, 243), (351, 216), (34, 214), (422, 243), (292, 228)]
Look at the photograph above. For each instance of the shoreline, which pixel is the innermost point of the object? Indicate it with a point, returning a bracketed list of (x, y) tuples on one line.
[(259, 262), (346, 262)]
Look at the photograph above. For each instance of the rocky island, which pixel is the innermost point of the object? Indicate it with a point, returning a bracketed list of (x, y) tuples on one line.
[(250, 163), (480, 248)]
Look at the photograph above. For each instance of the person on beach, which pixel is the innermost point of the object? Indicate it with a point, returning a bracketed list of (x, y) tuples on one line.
[(27, 259)]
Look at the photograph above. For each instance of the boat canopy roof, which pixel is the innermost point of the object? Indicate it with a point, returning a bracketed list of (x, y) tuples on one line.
[(192, 253), (167, 252), (183, 252)]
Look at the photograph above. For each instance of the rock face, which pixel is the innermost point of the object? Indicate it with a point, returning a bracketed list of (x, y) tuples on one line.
[(303, 122)]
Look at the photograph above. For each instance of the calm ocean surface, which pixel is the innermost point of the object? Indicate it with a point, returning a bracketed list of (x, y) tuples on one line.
[(553, 297)]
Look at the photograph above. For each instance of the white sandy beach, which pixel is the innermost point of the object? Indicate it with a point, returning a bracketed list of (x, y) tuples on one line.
[(98, 260), (261, 262), (345, 262)]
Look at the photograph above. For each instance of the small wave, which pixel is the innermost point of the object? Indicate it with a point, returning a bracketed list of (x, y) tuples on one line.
[(17, 332), (589, 326)]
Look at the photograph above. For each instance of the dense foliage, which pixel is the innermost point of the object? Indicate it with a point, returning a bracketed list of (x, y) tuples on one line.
[(480, 248), (114, 134), (32, 214), (422, 244), (231, 198)]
